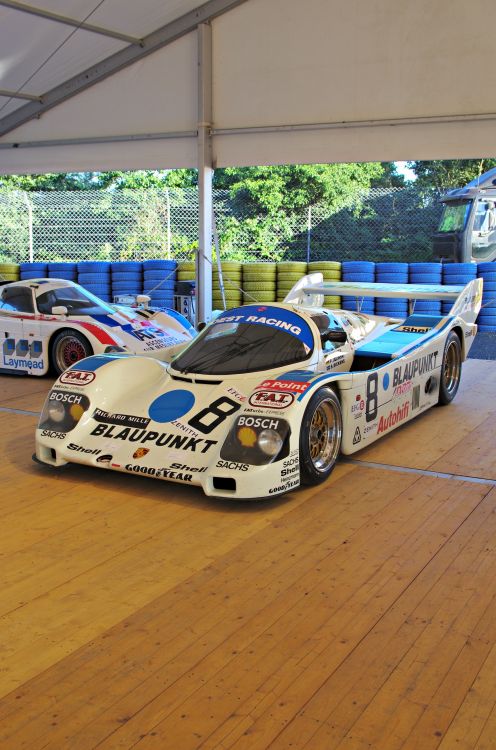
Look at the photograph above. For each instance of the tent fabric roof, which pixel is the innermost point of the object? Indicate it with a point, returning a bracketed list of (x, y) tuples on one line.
[(319, 81)]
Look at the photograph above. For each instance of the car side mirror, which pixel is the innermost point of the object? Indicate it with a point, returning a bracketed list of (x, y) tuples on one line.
[(143, 299), (59, 310), (336, 336)]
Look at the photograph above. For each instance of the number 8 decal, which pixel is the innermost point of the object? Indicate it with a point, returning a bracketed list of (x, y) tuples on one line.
[(206, 427), (371, 403)]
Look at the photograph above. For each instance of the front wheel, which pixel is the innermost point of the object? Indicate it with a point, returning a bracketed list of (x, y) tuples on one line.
[(451, 369), (68, 347), (320, 436)]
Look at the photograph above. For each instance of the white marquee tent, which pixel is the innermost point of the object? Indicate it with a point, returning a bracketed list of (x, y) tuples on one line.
[(107, 84)]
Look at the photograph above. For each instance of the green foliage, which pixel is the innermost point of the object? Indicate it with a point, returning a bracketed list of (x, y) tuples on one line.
[(447, 174)]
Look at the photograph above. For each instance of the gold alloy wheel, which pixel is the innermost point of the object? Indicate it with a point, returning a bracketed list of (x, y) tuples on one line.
[(324, 435), (452, 367)]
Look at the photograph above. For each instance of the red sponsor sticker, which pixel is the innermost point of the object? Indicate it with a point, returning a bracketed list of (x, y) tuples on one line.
[(77, 377), (271, 399), (285, 385)]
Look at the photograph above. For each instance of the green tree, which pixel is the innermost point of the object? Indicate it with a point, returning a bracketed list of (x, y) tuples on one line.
[(449, 173), (290, 188)]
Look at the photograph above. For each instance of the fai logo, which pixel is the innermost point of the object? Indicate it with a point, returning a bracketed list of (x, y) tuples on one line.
[(271, 399), (77, 377), (357, 437)]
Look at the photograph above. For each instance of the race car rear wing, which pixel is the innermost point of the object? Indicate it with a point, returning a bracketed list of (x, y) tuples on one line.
[(310, 290)]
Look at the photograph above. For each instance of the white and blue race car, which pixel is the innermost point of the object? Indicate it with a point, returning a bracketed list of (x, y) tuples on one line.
[(55, 323), (267, 396)]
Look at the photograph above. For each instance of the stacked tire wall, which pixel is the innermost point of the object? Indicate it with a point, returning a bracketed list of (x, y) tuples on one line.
[(288, 273), (268, 282), (487, 316), (10, 272), (456, 274), (331, 271), (159, 280), (259, 282), (127, 278), (391, 273), (358, 271), (426, 273), (232, 278), (95, 277)]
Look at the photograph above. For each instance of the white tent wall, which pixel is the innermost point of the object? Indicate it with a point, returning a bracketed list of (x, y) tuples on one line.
[(383, 80), (155, 94), (319, 81)]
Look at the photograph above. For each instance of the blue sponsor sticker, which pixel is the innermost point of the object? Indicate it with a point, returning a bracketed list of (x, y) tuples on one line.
[(274, 317), (385, 381), (171, 405)]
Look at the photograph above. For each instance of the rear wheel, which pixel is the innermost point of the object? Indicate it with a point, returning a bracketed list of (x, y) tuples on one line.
[(68, 347), (320, 436), (451, 369)]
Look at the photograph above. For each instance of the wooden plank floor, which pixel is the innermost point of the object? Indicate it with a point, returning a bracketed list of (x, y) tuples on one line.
[(359, 614)]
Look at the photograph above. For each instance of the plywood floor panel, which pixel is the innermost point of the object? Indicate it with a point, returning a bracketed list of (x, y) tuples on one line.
[(358, 614)]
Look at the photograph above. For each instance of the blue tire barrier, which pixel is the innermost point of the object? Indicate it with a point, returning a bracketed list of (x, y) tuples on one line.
[(457, 280), (489, 286), (422, 268), (486, 329), (354, 305), (394, 312), (97, 289), (91, 266), (26, 275), (159, 295), (488, 278), (127, 266), (358, 266), (432, 307), (399, 268), (34, 267), (134, 276), (162, 302), (485, 267), (397, 307), (166, 286), (63, 267), (124, 286), (391, 278), (93, 278), (162, 265), (159, 275), (358, 277), (425, 278), (62, 275), (456, 269)]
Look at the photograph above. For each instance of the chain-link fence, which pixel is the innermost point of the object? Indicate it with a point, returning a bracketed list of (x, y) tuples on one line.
[(378, 224)]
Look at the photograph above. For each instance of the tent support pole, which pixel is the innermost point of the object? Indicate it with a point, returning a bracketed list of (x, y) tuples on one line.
[(205, 175)]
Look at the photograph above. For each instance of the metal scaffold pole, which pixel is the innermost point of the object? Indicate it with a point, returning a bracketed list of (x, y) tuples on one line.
[(205, 175)]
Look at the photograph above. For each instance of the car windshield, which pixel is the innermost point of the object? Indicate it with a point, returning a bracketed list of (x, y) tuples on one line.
[(77, 300), (230, 346), (454, 216)]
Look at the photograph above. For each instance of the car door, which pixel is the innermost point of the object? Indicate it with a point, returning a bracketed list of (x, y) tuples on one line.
[(22, 347)]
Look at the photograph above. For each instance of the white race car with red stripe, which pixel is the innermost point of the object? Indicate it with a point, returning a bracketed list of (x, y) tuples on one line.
[(52, 322)]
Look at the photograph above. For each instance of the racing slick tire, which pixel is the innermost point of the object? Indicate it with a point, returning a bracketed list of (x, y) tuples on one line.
[(451, 369), (320, 436), (67, 348)]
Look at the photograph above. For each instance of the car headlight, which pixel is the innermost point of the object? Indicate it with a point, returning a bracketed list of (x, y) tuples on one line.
[(55, 411), (256, 440), (270, 442), (63, 410)]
